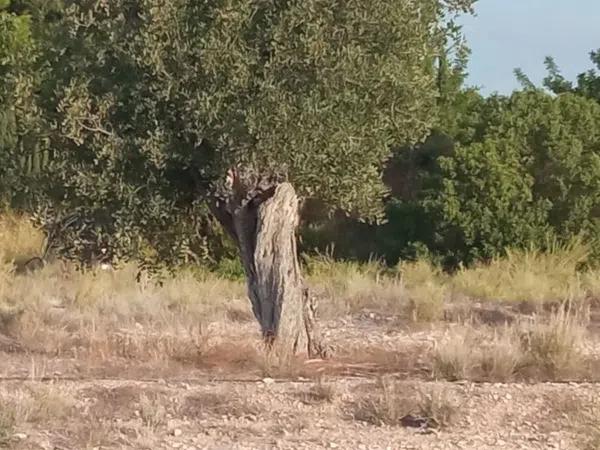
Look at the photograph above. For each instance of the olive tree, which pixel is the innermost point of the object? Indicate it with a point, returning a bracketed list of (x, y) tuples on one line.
[(16, 55), (247, 106)]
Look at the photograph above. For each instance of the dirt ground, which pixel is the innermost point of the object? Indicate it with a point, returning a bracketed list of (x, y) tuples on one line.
[(230, 398)]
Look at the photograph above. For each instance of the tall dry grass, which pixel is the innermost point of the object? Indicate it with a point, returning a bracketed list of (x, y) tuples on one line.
[(349, 287), (19, 239), (545, 347), (102, 314), (530, 275), (427, 290), (396, 403)]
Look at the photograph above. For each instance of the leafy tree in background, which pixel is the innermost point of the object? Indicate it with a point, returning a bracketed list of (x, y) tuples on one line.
[(412, 170), (15, 53), (587, 85), (496, 172), (154, 109), (535, 174)]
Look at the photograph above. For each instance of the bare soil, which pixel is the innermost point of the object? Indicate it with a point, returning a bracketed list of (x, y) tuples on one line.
[(226, 395)]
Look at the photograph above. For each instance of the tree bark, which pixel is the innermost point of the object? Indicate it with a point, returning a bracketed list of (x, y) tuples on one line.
[(263, 223)]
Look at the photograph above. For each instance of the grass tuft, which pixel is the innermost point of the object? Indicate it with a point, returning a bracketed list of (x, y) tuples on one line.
[(426, 291), (527, 275), (545, 348), (456, 356), (399, 404), (503, 357), (19, 239), (553, 347), (320, 392)]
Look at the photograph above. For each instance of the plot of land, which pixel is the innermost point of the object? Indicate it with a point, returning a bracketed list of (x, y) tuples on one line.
[(99, 361), (212, 387)]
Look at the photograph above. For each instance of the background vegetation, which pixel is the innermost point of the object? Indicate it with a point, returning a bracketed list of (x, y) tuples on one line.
[(520, 171)]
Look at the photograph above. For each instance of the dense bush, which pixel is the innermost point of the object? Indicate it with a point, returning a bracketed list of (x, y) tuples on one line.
[(518, 171), (535, 173)]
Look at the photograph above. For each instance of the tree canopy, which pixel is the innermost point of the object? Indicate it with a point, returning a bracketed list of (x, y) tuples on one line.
[(587, 84), (134, 112), (504, 171), (142, 107)]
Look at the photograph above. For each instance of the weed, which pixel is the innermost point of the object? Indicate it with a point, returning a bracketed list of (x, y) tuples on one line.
[(456, 357), (527, 275), (553, 347), (152, 411), (402, 404), (503, 357), (320, 392)]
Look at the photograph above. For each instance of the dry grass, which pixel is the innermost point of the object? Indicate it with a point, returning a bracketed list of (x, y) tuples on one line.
[(590, 431), (108, 314), (503, 357), (19, 239), (545, 348), (152, 411), (456, 356), (32, 403), (7, 423), (202, 404), (418, 289), (402, 404), (528, 275), (467, 353), (319, 392), (426, 291), (553, 347), (582, 415), (348, 287), (201, 318)]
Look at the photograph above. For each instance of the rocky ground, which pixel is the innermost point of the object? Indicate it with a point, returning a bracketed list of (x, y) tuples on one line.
[(379, 393)]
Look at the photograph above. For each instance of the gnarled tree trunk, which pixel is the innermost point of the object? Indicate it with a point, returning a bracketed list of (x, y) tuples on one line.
[(263, 222)]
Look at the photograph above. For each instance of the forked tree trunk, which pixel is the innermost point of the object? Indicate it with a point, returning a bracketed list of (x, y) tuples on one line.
[(263, 223)]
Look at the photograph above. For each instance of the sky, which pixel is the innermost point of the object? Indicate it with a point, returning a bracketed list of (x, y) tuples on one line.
[(506, 34)]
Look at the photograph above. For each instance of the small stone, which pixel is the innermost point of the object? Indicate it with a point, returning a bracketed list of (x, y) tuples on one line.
[(333, 445), (177, 432), (268, 380), (20, 436), (508, 397)]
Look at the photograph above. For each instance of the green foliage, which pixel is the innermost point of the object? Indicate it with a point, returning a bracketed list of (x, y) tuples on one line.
[(141, 107), (130, 113), (535, 174), (17, 53), (523, 79), (230, 268), (588, 83), (516, 171)]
